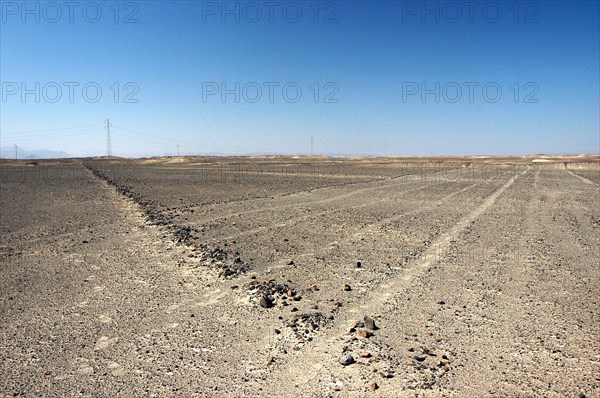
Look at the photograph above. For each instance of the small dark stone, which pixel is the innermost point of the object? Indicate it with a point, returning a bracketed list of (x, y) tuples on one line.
[(441, 302), (370, 323), (265, 302), (346, 360), (420, 358), (358, 264), (277, 331)]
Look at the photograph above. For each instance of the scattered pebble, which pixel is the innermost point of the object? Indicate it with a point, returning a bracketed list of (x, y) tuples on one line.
[(346, 360), (312, 288), (387, 375), (265, 301), (370, 323)]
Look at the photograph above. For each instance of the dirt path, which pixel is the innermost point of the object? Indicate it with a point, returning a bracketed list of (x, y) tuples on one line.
[(492, 316), (581, 178), (299, 371)]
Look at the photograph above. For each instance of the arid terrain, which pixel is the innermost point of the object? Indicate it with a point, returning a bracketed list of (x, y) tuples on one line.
[(300, 277)]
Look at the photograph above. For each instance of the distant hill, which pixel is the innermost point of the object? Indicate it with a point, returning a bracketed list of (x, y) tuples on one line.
[(9, 153)]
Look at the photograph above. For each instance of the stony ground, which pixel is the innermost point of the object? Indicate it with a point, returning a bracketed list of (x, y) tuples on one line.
[(298, 277)]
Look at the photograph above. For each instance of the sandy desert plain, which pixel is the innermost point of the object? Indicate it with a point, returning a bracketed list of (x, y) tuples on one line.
[(300, 277)]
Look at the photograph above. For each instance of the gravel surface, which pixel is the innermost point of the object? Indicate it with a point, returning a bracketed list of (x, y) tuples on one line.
[(300, 277)]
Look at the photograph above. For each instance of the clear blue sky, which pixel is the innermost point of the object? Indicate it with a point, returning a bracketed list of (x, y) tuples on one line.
[(377, 57)]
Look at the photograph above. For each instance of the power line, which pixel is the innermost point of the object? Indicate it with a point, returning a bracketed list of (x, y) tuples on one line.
[(57, 135), (120, 133), (191, 146), (48, 130), (155, 139), (142, 134)]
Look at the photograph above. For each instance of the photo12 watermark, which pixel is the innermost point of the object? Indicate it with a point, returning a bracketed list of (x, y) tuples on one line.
[(69, 92), (425, 11), (469, 92), (270, 11), (269, 92), (69, 11)]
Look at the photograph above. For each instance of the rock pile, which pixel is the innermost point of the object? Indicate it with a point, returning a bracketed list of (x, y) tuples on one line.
[(366, 350), (426, 367), (269, 294), (185, 235), (228, 265), (421, 368), (304, 326), (154, 215), (151, 209)]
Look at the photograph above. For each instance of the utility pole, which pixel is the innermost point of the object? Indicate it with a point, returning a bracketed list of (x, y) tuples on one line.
[(312, 146), (16, 153), (177, 150), (108, 146)]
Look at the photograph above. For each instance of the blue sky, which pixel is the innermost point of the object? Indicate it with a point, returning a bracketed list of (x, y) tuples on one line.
[(361, 66)]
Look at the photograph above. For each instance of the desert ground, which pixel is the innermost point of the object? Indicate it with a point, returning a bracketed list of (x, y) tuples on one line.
[(300, 277)]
